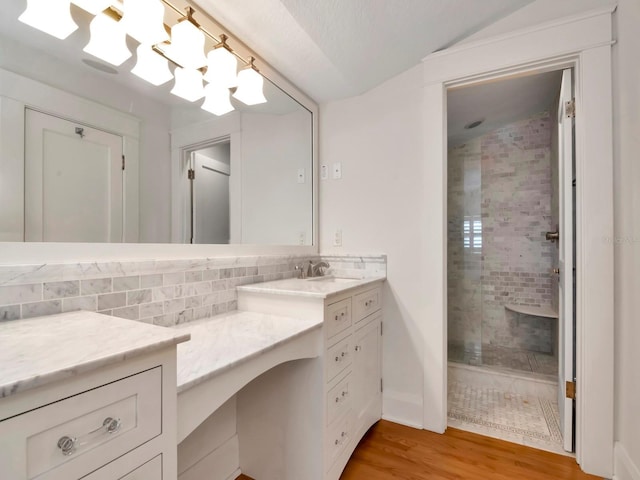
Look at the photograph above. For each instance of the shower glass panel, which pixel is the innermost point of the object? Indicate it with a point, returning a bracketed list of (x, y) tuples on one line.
[(465, 254), (502, 300)]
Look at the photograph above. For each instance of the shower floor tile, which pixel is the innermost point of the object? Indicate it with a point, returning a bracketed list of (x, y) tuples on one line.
[(526, 420), (504, 357)]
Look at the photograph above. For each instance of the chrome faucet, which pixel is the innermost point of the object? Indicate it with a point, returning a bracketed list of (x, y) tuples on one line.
[(317, 270)]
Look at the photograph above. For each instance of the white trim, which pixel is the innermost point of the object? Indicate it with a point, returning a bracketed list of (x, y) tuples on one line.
[(582, 42), (409, 405), (526, 31), (624, 467)]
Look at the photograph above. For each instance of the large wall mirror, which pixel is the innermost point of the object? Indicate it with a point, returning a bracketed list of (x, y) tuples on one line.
[(90, 152)]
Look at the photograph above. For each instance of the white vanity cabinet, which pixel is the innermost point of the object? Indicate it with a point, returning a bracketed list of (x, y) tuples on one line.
[(351, 364), (353, 374), (99, 418)]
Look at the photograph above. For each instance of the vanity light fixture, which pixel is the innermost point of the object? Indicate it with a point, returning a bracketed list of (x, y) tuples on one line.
[(50, 16), (151, 66), (222, 65), (144, 21), (217, 99), (188, 84), (187, 43), (108, 40), (250, 84), (94, 7)]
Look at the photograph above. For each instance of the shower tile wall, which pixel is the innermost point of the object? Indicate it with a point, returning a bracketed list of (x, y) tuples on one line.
[(512, 166)]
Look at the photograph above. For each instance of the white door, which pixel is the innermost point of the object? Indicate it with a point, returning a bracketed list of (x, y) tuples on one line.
[(210, 183), (565, 256), (73, 182), (367, 396)]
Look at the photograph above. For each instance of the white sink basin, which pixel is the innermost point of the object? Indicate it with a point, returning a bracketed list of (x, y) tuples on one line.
[(332, 279)]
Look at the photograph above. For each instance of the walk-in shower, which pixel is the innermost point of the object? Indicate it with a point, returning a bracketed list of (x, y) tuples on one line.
[(502, 295), (502, 292)]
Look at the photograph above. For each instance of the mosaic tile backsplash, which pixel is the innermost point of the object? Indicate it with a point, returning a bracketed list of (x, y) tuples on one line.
[(163, 292), (500, 196)]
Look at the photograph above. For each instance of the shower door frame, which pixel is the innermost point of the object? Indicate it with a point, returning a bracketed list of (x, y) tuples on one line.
[(581, 42)]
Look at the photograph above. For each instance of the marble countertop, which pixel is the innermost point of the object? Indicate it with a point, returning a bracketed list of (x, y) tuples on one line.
[(318, 287), (42, 350), (225, 341)]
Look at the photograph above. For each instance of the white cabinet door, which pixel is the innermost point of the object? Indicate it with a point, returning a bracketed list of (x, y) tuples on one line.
[(367, 395), (73, 182)]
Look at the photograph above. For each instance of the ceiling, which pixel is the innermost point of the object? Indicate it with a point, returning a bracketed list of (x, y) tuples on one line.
[(334, 49), (498, 104)]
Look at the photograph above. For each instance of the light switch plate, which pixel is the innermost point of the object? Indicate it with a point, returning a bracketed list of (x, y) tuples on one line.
[(337, 238), (337, 170), (324, 172), (301, 175)]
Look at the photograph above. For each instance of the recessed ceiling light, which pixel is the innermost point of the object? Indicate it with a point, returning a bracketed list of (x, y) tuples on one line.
[(473, 124), (100, 66)]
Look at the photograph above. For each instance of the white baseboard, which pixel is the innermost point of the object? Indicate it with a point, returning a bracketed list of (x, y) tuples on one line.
[(402, 408), (623, 467), (235, 475)]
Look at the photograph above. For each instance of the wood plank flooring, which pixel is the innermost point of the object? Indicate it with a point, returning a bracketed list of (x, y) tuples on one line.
[(391, 451)]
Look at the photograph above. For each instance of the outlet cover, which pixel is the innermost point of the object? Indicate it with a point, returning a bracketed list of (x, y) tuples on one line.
[(337, 170), (301, 175), (324, 172)]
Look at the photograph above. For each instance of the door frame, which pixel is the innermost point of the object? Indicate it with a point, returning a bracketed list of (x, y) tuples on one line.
[(581, 42), (186, 139), (32, 94), (234, 188)]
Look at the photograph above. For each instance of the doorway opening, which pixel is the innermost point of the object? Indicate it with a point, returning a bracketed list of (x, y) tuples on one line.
[(510, 240), (209, 174)]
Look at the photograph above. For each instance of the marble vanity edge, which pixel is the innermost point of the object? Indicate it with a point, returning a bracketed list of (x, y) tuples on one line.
[(220, 370), (273, 289), (77, 367), (31, 273)]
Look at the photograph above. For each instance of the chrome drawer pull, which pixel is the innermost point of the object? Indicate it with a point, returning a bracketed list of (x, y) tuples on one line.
[(69, 444)]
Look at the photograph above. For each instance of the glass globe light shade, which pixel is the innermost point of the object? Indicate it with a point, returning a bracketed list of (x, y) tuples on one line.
[(50, 16), (151, 66), (188, 84), (108, 40)]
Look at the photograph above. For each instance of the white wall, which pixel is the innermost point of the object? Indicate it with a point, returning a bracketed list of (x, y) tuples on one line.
[(155, 186), (378, 206), (276, 209), (377, 137)]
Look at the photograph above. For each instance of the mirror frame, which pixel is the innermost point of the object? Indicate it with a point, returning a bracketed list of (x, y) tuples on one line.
[(12, 253)]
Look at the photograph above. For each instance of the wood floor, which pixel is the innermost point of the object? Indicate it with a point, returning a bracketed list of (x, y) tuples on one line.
[(393, 452)]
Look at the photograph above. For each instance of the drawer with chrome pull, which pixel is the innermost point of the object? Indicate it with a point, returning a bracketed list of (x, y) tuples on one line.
[(366, 303), (338, 317), (338, 400), (75, 436), (338, 358)]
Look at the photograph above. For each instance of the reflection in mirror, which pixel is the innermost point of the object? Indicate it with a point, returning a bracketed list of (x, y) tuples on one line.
[(90, 152)]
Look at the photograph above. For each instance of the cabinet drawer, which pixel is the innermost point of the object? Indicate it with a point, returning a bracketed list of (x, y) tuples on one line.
[(338, 400), (366, 303), (337, 440), (121, 469), (96, 427), (152, 470), (338, 358), (338, 317)]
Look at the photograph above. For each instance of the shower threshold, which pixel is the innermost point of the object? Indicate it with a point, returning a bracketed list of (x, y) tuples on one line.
[(514, 360)]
